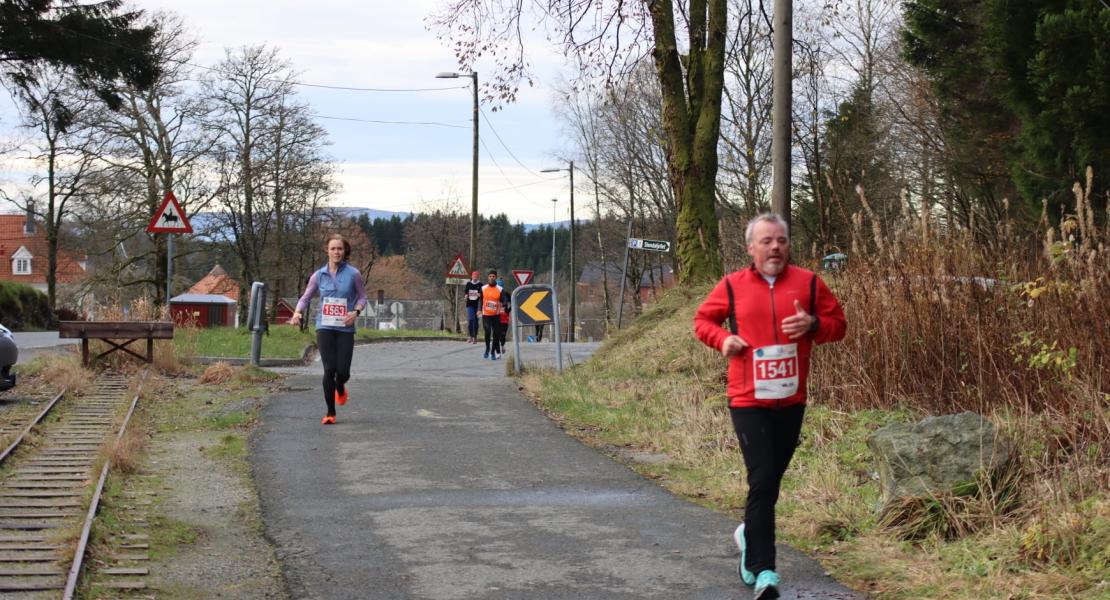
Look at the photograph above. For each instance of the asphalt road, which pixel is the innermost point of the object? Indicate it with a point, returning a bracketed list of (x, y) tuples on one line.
[(34, 343), (440, 481)]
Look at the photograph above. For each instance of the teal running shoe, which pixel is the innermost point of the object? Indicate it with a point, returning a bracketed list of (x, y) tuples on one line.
[(766, 586), (745, 575)]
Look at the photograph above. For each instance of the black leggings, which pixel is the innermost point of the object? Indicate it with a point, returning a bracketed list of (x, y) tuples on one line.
[(491, 325), (336, 348), (768, 438)]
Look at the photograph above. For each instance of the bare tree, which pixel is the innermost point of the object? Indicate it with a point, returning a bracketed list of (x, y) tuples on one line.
[(156, 145), (268, 157), (745, 136), (432, 239), (611, 36), (64, 151)]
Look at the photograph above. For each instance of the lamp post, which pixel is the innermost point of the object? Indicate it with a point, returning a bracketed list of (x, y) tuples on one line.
[(474, 175), (573, 276), (554, 216)]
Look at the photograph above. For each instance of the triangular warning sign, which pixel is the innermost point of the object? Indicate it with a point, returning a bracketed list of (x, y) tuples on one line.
[(458, 268), (169, 218)]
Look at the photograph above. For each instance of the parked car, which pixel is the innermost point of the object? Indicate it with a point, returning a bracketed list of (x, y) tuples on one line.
[(9, 353)]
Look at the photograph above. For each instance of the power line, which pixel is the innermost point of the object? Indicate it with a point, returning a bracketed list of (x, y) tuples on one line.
[(494, 160), (381, 122), (498, 136)]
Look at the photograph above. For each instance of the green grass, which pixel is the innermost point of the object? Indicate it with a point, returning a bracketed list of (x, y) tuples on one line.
[(282, 341)]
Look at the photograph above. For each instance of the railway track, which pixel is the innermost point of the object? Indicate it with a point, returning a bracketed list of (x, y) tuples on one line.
[(50, 493)]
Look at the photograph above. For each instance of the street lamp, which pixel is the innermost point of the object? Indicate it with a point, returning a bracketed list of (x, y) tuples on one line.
[(474, 175), (573, 275), (554, 217)]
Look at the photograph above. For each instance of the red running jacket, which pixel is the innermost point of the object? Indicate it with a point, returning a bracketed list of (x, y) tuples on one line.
[(759, 309)]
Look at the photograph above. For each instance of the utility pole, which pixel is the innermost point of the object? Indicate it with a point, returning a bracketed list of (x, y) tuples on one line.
[(474, 174), (781, 106), (573, 226), (573, 276), (474, 182)]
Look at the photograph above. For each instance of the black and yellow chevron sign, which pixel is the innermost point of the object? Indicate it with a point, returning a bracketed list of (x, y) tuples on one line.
[(536, 308)]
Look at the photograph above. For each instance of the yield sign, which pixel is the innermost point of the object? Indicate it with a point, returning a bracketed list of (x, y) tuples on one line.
[(458, 269), (169, 218), (522, 276)]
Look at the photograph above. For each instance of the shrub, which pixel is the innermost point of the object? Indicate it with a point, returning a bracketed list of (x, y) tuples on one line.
[(22, 307)]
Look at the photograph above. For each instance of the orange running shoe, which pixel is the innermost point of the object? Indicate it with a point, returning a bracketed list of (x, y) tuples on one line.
[(328, 420), (341, 399)]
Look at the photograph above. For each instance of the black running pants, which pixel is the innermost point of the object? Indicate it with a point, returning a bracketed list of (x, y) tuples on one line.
[(767, 438), (490, 324), (336, 349)]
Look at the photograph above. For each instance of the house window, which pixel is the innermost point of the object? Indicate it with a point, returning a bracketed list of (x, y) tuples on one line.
[(21, 266)]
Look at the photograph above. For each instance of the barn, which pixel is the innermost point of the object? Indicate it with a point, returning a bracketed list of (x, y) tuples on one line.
[(203, 310)]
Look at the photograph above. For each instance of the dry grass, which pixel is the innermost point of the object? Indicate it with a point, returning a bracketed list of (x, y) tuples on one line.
[(65, 371), (217, 373), (125, 454), (996, 324)]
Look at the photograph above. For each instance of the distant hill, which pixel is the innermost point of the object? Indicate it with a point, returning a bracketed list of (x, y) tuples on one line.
[(373, 214), (206, 221)]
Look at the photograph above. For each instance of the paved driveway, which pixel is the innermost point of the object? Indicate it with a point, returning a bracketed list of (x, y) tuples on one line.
[(441, 482)]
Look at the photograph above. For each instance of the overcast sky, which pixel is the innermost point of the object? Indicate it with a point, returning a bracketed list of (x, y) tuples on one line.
[(387, 45)]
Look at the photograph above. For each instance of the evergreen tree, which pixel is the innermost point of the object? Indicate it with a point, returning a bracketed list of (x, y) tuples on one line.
[(96, 42), (1024, 87)]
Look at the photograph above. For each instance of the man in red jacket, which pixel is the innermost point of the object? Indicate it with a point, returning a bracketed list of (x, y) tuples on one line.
[(776, 313)]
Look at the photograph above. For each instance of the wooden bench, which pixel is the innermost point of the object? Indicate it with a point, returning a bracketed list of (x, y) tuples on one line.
[(130, 331)]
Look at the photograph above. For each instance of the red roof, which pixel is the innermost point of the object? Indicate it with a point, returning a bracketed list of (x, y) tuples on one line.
[(218, 282), (12, 238)]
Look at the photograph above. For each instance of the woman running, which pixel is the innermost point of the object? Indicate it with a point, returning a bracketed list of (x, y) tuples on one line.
[(342, 298)]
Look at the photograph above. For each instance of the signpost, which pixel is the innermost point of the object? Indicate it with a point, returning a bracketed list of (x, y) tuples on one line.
[(169, 218), (536, 305), (653, 245), (637, 244), (522, 276)]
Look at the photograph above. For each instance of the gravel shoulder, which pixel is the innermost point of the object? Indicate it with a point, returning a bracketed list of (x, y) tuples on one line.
[(191, 483)]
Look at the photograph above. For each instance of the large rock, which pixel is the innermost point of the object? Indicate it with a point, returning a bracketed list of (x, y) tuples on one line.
[(936, 454)]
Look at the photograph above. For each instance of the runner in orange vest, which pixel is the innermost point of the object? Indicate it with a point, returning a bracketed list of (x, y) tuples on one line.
[(491, 308)]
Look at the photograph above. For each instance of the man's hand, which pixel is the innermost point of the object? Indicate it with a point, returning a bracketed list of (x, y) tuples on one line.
[(797, 324), (733, 344)]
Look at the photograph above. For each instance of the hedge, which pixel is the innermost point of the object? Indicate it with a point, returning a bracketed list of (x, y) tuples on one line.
[(22, 307)]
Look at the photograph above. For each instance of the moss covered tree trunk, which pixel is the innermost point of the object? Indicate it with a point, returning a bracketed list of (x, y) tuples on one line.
[(692, 124)]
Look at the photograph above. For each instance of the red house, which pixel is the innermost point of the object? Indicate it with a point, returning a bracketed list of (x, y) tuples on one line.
[(284, 310), (23, 252), (211, 302)]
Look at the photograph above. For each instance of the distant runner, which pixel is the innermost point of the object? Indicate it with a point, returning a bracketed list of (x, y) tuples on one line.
[(342, 298), (473, 293), (491, 308), (776, 313), (505, 316)]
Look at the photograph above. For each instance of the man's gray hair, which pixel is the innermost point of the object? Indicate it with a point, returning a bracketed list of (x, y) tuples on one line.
[(769, 218)]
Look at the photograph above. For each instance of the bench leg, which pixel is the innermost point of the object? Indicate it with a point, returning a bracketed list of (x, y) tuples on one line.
[(85, 352), (150, 350)]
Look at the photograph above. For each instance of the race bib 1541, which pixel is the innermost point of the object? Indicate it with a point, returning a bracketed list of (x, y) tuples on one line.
[(776, 371)]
